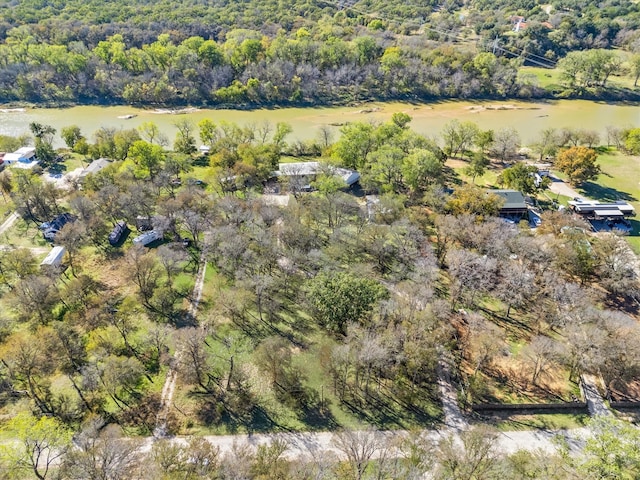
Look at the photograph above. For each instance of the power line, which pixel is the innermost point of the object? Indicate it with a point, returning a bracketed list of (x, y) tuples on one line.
[(530, 57)]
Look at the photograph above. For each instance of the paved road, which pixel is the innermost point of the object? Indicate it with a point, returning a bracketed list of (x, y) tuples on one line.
[(562, 188), (314, 445), (8, 223)]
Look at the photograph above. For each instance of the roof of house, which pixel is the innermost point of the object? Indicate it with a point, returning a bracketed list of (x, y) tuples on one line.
[(313, 168), (54, 256), (514, 200), (12, 157), (95, 166), (615, 209), (26, 150)]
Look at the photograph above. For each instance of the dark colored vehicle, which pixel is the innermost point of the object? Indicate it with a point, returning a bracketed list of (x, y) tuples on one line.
[(144, 224), (118, 231)]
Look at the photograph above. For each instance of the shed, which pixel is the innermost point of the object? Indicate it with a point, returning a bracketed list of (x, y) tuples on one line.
[(54, 258)]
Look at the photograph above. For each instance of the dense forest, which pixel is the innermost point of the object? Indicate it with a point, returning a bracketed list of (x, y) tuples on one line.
[(297, 52)]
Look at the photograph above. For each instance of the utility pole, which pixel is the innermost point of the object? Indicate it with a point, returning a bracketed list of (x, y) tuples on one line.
[(495, 45)]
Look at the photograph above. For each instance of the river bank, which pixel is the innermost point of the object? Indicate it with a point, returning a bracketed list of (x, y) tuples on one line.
[(528, 118)]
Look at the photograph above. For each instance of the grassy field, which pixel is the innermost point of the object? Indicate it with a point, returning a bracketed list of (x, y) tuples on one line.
[(620, 180), (550, 78)]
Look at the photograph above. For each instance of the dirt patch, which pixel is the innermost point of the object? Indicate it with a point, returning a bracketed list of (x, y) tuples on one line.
[(508, 106), (508, 380), (622, 391)]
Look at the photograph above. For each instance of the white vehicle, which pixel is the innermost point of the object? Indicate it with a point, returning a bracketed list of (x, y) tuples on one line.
[(147, 237)]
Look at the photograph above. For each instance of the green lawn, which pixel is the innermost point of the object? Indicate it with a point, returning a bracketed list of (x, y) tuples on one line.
[(545, 77), (620, 180), (554, 421), (551, 78)]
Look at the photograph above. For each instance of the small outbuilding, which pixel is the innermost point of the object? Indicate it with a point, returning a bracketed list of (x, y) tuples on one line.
[(54, 258)]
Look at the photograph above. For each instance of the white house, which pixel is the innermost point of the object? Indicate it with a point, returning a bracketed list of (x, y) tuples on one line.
[(311, 169), (24, 157), (54, 258)]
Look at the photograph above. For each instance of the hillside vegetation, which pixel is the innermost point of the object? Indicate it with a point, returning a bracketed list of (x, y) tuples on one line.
[(293, 52)]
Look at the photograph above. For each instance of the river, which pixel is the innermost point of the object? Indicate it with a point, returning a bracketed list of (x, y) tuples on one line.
[(528, 118)]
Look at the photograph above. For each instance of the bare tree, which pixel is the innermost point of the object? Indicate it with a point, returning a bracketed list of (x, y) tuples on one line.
[(478, 457), (517, 286), (194, 360), (35, 296), (359, 447), (541, 354), (102, 454), (486, 341), (72, 237), (506, 142), (143, 271), (471, 274), (172, 257)]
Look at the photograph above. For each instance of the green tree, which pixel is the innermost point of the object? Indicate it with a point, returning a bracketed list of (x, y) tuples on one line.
[(149, 157), (458, 137), (477, 167), (469, 199), (339, 298), (209, 134), (355, 145), (613, 451), (71, 135), (421, 169), (44, 141), (122, 142), (185, 141), (150, 132), (41, 441), (631, 139), (579, 164), (522, 177)]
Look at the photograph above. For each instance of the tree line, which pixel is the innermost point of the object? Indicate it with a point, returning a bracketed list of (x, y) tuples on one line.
[(101, 451)]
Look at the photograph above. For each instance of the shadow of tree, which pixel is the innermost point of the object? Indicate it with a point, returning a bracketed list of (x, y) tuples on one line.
[(607, 194)]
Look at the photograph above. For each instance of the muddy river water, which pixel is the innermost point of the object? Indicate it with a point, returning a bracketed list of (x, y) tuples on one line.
[(528, 118)]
